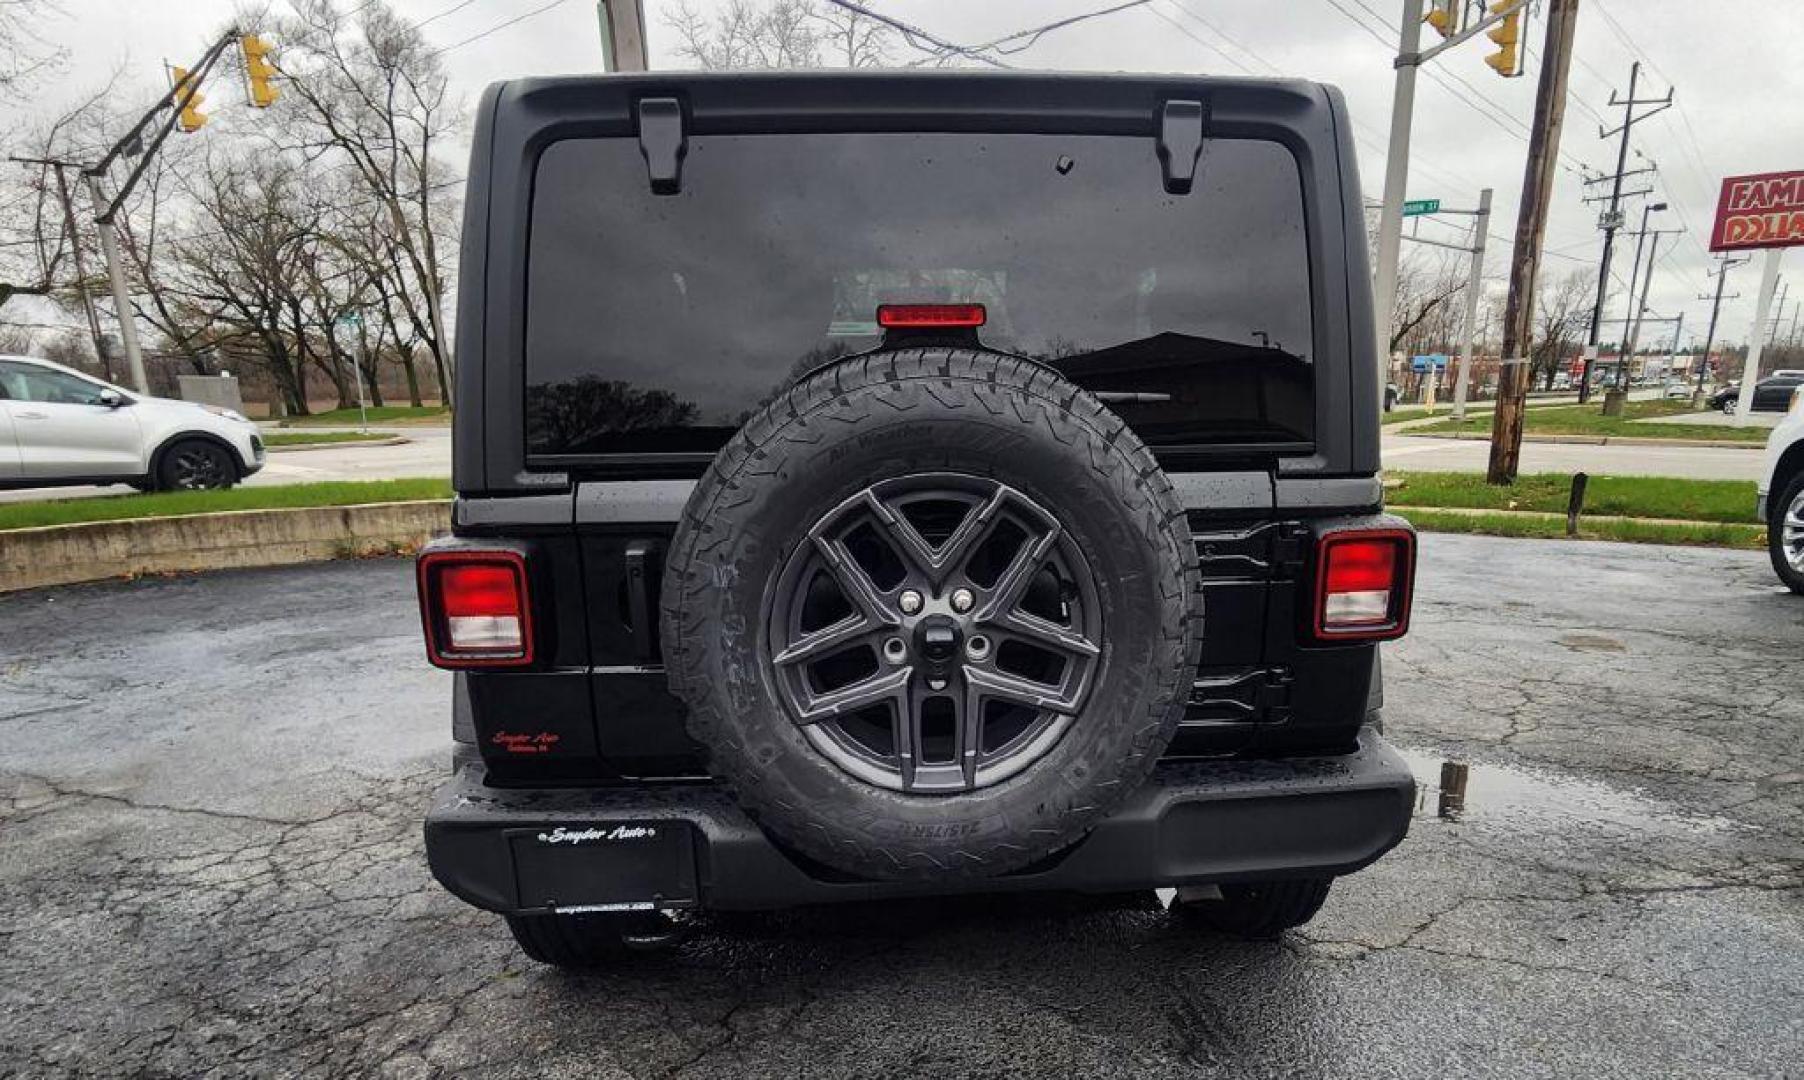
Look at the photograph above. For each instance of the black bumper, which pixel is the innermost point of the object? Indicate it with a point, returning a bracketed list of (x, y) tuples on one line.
[(689, 845)]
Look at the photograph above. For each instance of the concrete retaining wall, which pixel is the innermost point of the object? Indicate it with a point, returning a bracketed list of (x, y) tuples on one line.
[(93, 551)]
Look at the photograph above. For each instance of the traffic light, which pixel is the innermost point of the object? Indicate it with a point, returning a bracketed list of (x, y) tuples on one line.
[(1443, 17), (187, 100), (258, 70), (1507, 60)]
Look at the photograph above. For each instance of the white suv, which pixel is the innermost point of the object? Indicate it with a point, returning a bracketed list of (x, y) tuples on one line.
[(60, 427), (1781, 495)]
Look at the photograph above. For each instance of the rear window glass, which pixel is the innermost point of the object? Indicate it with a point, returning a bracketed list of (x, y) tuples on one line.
[(657, 324)]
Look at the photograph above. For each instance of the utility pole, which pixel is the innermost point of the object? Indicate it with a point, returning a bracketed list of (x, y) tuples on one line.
[(1716, 307), (1638, 307), (81, 269), (1763, 306), (1672, 355), (1612, 218), (1410, 56), (1635, 266), (1531, 224), (1779, 311), (122, 302), (1482, 224), (622, 35)]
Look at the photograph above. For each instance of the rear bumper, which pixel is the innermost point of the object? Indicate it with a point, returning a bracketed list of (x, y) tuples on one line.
[(518, 851)]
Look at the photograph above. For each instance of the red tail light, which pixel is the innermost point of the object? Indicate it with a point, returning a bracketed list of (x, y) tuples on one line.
[(475, 608), (1363, 583), (929, 316)]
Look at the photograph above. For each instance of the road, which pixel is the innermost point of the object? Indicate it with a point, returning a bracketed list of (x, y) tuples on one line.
[(1403, 452), (428, 453), (210, 865)]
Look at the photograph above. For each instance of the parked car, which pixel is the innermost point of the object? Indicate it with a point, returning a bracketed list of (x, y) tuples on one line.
[(59, 427), (1780, 495), (1773, 393), (1724, 397), (1675, 389), (839, 496)]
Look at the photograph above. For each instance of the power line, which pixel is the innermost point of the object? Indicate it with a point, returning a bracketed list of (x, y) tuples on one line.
[(1490, 110), (1031, 37), (452, 10), (1185, 30), (914, 35), (1191, 13), (498, 27)]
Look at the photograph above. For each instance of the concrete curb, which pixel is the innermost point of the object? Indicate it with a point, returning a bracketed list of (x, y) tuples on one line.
[(342, 444), (1599, 440), (97, 550), (1554, 515)]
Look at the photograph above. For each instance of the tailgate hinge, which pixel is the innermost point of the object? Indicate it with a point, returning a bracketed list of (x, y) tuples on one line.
[(1290, 550), (663, 143), (1180, 144)]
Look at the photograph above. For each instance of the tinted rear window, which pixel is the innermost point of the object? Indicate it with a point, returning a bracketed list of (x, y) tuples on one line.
[(656, 324)]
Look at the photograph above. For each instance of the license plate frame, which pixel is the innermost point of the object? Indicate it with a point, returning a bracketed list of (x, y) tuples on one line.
[(605, 866)]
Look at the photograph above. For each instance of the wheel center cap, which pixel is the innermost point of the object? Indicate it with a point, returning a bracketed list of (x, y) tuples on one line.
[(938, 639)]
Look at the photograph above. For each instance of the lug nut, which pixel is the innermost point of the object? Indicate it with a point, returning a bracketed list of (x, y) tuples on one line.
[(894, 650), (909, 602), (962, 599), (977, 646)]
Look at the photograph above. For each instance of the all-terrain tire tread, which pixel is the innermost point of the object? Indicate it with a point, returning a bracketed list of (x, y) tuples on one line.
[(1001, 386)]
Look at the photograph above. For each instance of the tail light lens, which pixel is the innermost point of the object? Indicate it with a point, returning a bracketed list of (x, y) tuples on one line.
[(475, 608), (1363, 584)]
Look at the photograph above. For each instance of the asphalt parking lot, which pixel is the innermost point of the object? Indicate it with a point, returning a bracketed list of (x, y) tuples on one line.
[(211, 786)]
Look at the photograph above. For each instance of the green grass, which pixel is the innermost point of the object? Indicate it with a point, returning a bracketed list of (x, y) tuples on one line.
[(1590, 420), (1410, 412), (1638, 532), (1727, 501), (174, 503), (309, 438), (384, 414)]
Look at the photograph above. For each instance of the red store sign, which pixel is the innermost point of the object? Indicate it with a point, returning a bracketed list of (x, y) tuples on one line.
[(1761, 211)]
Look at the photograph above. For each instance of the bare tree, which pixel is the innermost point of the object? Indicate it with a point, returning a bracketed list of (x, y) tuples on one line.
[(778, 34), (1561, 314), (1423, 290), (373, 97), (850, 39), (24, 54), (242, 274)]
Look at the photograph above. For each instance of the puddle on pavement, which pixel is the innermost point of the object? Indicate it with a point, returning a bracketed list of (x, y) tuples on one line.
[(1535, 800)]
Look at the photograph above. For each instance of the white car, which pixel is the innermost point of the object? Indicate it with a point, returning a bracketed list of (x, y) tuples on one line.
[(59, 427), (1781, 495)]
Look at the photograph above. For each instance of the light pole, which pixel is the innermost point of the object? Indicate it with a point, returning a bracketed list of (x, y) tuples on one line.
[(1635, 305), (354, 320)]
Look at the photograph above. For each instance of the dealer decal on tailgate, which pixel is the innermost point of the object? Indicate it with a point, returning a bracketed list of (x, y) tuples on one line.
[(561, 835)]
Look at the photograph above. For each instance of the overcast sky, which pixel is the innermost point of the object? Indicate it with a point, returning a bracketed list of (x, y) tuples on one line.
[(1739, 85)]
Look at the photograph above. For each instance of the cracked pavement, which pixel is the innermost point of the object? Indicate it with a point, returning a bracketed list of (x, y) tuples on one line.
[(211, 789)]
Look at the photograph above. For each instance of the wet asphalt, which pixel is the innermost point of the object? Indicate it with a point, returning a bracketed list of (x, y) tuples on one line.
[(210, 865)]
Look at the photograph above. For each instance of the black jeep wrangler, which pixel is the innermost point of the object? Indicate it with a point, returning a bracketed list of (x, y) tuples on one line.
[(890, 485)]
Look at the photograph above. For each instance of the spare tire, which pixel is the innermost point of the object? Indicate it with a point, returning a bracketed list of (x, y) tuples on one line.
[(934, 614)]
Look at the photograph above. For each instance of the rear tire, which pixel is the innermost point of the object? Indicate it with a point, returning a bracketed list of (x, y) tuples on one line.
[(196, 465), (1788, 502), (1257, 911), (587, 942)]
